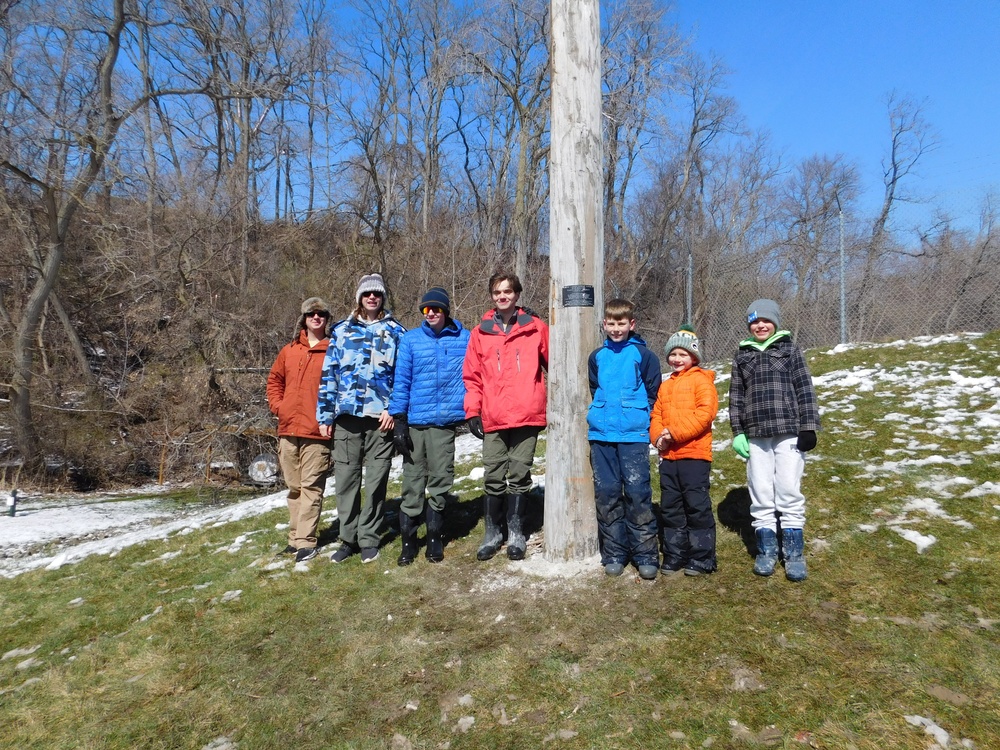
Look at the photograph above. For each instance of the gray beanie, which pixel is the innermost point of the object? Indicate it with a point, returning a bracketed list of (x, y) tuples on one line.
[(370, 283), (764, 308), (687, 340), (313, 304)]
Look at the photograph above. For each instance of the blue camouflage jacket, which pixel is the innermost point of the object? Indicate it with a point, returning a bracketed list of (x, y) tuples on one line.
[(429, 387), (358, 368)]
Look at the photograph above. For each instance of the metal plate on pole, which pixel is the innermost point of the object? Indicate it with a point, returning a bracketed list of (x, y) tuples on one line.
[(578, 295)]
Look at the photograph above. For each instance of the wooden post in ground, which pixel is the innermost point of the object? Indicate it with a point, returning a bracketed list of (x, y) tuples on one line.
[(576, 236)]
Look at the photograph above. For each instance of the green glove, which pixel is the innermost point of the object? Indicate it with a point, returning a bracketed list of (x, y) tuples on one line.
[(741, 445)]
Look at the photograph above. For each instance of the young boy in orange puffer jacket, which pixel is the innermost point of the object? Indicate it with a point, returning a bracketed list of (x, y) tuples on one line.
[(681, 429)]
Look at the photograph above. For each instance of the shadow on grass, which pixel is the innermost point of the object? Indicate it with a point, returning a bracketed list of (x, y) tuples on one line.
[(734, 514)]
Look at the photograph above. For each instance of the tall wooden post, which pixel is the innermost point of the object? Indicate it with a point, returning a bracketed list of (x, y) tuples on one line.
[(576, 236)]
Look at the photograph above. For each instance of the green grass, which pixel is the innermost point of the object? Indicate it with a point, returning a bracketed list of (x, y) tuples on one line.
[(350, 656)]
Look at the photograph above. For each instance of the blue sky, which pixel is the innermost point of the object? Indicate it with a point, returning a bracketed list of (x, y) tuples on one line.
[(815, 74)]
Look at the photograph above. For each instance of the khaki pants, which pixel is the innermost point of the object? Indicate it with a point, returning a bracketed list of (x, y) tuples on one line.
[(358, 443), (507, 457), (432, 469), (305, 463)]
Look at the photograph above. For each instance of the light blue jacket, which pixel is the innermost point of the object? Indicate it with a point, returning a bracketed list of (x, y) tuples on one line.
[(429, 387), (358, 368), (624, 380)]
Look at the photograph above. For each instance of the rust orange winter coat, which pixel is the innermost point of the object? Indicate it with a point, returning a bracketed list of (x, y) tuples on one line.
[(686, 404), (293, 386)]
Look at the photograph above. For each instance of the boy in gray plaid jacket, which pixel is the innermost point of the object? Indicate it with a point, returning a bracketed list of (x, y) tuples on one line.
[(774, 416)]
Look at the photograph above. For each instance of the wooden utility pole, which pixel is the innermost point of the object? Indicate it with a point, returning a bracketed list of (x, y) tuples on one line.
[(576, 258)]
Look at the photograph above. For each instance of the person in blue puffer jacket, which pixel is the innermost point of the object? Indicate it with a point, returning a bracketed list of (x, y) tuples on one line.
[(427, 406)]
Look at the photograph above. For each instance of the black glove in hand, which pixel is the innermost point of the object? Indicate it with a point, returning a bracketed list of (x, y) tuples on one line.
[(401, 436), (476, 427), (807, 440)]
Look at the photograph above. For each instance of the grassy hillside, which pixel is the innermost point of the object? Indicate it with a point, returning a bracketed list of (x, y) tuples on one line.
[(207, 640)]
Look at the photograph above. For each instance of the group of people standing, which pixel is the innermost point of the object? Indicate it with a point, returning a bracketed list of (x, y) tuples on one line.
[(376, 389)]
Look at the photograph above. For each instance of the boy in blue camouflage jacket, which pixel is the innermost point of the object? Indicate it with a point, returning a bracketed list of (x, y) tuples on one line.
[(354, 398)]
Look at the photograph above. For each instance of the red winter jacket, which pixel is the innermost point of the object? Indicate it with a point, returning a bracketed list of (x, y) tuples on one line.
[(504, 372), (293, 386)]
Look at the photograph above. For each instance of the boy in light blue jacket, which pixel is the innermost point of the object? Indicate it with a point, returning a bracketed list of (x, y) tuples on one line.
[(427, 405), (624, 379)]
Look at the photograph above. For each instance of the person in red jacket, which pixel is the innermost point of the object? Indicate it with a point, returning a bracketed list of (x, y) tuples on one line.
[(304, 454), (503, 372)]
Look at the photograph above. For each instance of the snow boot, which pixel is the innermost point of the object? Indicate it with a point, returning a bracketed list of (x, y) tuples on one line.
[(408, 533), (767, 552), (516, 543), (493, 518), (435, 545), (792, 545)]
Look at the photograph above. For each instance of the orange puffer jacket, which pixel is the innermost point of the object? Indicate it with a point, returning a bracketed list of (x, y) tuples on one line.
[(686, 404), (293, 386)]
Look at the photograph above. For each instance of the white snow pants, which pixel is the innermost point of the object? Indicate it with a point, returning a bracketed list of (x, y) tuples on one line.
[(774, 475)]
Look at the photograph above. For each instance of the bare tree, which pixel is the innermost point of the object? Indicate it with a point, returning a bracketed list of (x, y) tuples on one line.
[(910, 137), (509, 47), (638, 53), (67, 102)]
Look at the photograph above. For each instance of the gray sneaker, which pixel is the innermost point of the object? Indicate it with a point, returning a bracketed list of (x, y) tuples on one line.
[(306, 553), (369, 554), (345, 551)]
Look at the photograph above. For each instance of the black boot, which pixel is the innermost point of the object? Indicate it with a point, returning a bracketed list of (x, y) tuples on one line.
[(435, 544), (408, 534), (516, 543), (493, 519)]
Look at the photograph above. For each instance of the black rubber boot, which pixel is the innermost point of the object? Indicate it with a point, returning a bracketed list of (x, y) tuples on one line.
[(516, 543), (408, 534), (493, 519), (435, 544)]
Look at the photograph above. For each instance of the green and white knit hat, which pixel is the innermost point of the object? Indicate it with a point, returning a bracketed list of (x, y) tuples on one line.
[(685, 339)]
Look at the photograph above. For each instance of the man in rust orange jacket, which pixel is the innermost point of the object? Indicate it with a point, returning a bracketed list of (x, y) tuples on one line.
[(304, 454)]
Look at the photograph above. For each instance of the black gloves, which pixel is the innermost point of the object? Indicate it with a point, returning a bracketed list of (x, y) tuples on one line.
[(476, 427), (807, 440), (401, 436)]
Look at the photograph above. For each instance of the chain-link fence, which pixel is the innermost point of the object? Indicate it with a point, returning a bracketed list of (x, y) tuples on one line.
[(948, 284)]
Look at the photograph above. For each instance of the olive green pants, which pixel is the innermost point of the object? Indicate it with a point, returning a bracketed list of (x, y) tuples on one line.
[(507, 458), (432, 470), (358, 445)]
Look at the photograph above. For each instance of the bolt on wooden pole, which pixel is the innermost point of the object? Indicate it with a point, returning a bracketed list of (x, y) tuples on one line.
[(576, 236)]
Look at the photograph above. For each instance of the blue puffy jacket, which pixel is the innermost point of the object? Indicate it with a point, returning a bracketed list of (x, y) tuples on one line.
[(624, 380), (428, 387)]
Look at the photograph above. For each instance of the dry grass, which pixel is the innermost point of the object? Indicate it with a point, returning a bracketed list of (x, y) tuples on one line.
[(485, 655)]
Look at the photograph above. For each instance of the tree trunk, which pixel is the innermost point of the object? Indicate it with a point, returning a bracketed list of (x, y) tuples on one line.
[(25, 434)]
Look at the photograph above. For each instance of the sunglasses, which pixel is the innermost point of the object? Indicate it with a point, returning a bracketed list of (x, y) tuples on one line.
[(371, 294), (432, 309), (321, 313)]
